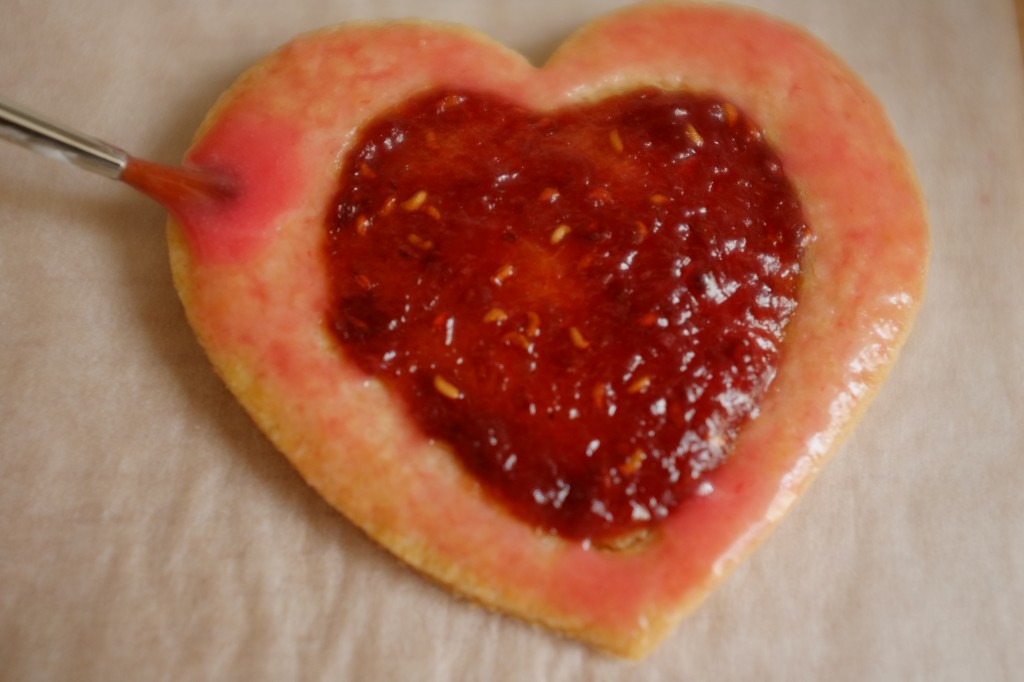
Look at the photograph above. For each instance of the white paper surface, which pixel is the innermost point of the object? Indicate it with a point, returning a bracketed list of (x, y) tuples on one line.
[(149, 532)]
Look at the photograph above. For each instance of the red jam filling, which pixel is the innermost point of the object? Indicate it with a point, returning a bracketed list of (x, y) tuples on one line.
[(585, 305)]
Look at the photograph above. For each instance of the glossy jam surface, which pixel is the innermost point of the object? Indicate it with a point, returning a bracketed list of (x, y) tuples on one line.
[(585, 305)]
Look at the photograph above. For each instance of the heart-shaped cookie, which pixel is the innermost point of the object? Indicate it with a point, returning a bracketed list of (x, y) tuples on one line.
[(567, 339)]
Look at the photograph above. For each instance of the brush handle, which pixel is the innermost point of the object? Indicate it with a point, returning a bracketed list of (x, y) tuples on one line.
[(51, 139)]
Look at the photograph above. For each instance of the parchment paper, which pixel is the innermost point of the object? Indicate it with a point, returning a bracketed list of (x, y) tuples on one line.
[(149, 532)]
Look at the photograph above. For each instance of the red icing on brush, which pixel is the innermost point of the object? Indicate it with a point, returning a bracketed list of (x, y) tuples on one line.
[(230, 191)]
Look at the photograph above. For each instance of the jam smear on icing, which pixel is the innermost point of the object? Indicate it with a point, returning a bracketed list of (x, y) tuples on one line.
[(584, 305)]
